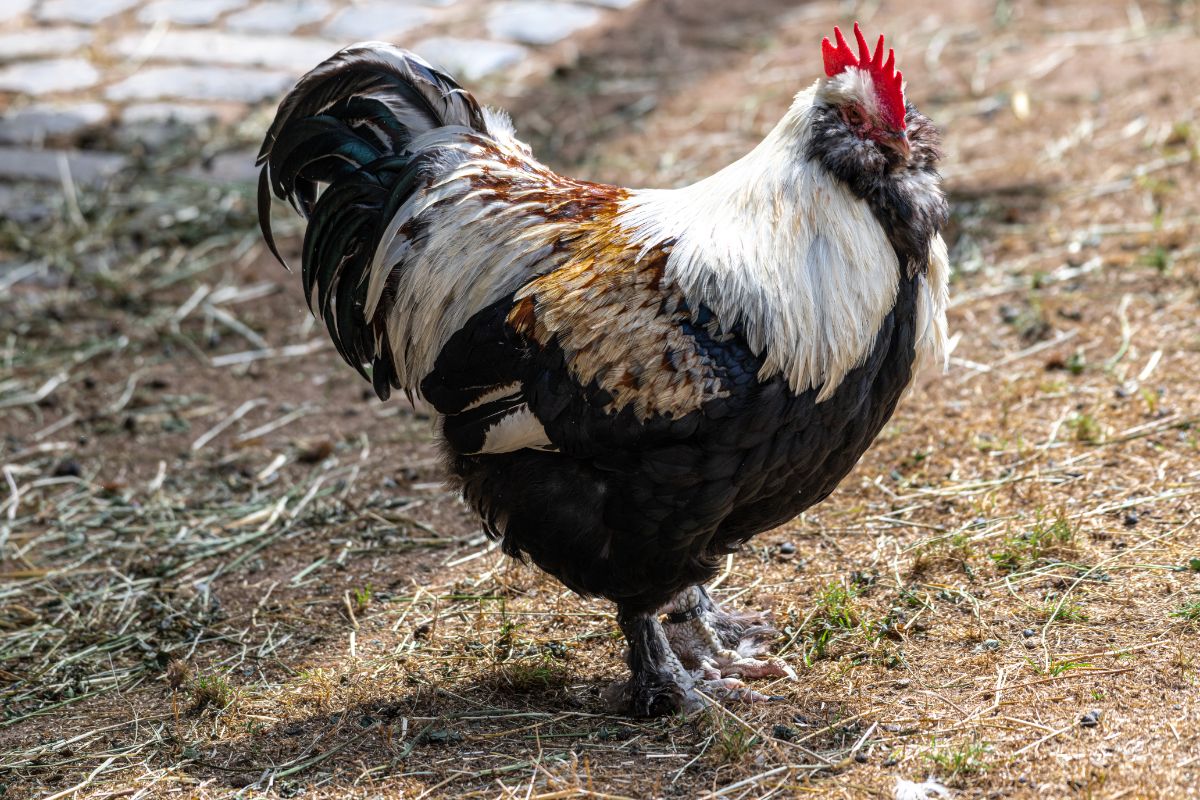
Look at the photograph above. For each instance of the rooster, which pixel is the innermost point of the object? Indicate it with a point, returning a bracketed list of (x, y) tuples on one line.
[(630, 384)]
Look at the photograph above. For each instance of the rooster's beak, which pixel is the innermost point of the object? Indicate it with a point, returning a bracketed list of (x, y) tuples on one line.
[(898, 141)]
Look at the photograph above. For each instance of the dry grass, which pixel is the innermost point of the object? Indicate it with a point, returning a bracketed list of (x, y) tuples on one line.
[(224, 572)]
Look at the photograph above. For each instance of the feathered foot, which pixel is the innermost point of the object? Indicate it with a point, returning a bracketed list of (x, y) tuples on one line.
[(659, 684), (699, 656), (715, 644)]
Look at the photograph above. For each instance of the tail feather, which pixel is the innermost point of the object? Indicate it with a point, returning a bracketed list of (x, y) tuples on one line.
[(417, 97), (349, 124)]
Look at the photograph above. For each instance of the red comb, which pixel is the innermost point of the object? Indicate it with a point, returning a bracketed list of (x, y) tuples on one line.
[(889, 84)]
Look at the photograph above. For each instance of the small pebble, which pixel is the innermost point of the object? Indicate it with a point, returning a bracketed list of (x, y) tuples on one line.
[(1030, 644), (1029, 633), (1131, 519), (68, 468), (783, 732), (1091, 719), (787, 549), (860, 758)]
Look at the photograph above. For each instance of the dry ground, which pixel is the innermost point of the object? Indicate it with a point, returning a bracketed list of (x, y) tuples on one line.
[(228, 571)]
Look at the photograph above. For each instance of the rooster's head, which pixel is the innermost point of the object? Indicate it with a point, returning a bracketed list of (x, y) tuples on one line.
[(866, 91)]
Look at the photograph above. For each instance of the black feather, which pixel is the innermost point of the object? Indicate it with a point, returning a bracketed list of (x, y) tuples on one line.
[(636, 508), (348, 125), (264, 217)]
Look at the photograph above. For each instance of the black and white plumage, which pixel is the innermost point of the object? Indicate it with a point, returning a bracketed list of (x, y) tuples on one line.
[(631, 383)]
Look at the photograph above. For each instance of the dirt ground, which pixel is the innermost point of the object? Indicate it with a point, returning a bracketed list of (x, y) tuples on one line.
[(229, 571)]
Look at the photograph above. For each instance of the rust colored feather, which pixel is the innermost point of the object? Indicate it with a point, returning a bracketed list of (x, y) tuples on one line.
[(621, 325)]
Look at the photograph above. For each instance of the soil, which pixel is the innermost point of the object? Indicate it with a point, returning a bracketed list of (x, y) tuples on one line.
[(1004, 595)]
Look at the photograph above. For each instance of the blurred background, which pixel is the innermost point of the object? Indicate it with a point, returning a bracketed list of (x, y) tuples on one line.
[(226, 568)]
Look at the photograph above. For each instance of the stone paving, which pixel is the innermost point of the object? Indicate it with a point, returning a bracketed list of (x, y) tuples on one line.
[(72, 68)]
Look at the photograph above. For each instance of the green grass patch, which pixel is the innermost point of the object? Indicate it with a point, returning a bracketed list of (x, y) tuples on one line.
[(211, 691), (834, 616), (1086, 428), (1046, 536), (361, 598), (729, 740), (1062, 667), (1068, 611), (1188, 611), (966, 758)]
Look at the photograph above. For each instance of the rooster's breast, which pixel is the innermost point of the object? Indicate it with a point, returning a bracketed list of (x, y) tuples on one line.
[(815, 445)]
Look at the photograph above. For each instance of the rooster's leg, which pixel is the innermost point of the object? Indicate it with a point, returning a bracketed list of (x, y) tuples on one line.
[(714, 643), (660, 684)]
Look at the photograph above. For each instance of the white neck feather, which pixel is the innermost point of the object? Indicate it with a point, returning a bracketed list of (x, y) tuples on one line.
[(777, 244)]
